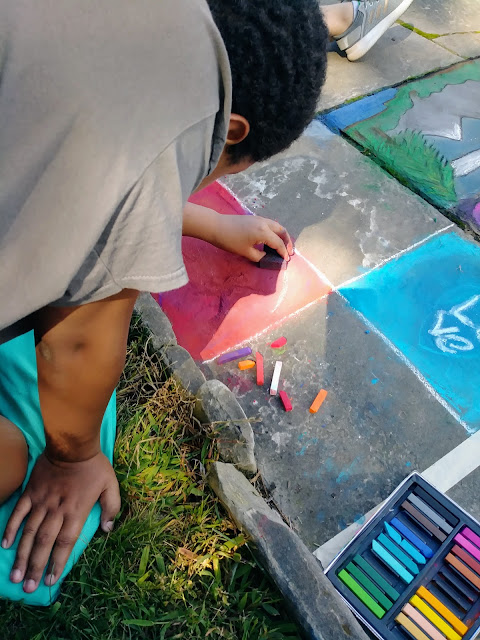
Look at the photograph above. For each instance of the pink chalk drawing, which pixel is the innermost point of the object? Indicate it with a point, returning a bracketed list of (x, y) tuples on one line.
[(476, 213), (228, 299)]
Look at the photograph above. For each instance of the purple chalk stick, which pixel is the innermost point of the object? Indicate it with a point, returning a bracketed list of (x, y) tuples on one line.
[(468, 546), (234, 355), (468, 533)]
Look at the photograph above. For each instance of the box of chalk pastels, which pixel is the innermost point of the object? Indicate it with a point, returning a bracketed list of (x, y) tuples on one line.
[(413, 571)]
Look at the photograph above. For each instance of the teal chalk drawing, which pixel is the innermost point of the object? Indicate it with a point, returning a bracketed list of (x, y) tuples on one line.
[(345, 474), (432, 316), (426, 133)]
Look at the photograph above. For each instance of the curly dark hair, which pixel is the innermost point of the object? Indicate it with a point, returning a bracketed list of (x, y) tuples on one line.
[(277, 52)]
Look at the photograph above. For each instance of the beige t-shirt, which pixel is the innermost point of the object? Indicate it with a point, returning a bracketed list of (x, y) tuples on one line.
[(111, 113)]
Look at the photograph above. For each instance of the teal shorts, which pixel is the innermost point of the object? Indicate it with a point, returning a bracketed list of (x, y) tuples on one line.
[(19, 403)]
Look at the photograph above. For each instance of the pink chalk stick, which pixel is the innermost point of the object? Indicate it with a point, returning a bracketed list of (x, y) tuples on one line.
[(280, 342), (468, 533), (468, 546), (286, 401)]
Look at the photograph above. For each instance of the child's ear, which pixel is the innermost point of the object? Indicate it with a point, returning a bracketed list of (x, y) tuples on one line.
[(238, 129)]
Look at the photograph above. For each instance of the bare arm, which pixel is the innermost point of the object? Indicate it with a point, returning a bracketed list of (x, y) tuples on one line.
[(80, 356), (237, 234)]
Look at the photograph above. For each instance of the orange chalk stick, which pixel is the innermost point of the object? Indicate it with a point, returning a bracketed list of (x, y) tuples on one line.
[(317, 403), (246, 364), (260, 370), (442, 610)]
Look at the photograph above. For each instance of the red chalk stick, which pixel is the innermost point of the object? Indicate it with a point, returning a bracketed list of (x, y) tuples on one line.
[(286, 400), (260, 374), (280, 342)]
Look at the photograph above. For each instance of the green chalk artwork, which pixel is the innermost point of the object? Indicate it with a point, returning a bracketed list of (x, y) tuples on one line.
[(426, 133)]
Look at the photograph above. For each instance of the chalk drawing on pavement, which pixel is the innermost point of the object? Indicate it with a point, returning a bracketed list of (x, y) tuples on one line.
[(228, 299), (429, 309), (447, 338), (426, 133)]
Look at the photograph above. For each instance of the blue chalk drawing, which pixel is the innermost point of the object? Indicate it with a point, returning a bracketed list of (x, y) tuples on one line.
[(427, 302), (346, 473), (370, 106), (306, 444)]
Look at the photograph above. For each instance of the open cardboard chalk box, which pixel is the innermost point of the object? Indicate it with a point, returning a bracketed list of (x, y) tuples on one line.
[(413, 570)]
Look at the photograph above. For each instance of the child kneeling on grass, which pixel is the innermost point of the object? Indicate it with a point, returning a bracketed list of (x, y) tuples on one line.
[(112, 114)]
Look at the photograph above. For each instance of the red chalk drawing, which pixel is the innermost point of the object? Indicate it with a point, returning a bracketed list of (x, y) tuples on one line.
[(279, 343), (228, 299)]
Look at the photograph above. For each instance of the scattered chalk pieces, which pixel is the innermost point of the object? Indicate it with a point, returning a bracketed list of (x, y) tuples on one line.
[(279, 343), (246, 364), (234, 355), (317, 403), (285, 400), (275, 378), (260, 370)]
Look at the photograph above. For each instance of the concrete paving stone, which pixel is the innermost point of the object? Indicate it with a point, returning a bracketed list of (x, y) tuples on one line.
[(465, 493), (345, 213), (444, 16), (154, 319), (217, 405), (319, 610), (181, 366), (462, 44), (377, 424), (398, 55)]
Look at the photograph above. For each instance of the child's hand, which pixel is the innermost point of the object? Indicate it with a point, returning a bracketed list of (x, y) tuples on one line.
[(240, 234)]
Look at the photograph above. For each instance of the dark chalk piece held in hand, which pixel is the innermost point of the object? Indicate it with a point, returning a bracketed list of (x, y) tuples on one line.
[(272, 260)]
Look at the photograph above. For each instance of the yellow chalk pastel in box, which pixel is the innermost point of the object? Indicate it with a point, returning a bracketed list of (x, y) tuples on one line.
[(246, 364), (429, 613)]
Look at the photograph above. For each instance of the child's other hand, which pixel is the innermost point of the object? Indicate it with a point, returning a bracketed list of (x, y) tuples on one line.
[(239, 234)]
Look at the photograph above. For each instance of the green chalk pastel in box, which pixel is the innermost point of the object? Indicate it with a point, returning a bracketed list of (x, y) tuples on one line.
[(376, 577), (361, 594), (367, 584)]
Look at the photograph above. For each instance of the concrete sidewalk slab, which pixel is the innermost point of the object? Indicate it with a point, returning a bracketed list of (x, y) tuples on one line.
[(376, 425), (346, 214), (466, 45), (399, 54), (444, 17)]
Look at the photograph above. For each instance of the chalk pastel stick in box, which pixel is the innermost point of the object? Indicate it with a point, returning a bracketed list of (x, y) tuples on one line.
[(413, 570)]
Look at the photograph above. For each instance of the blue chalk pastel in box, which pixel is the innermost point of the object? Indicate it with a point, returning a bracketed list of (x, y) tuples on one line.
[(412, 551), (392, 559), (405, 531), (391, 562), (398, 553)]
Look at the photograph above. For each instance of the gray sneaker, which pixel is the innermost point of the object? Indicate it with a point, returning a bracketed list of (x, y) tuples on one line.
[(373, 18)]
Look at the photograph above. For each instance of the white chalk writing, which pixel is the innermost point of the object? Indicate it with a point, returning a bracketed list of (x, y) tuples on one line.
[(447, 338)]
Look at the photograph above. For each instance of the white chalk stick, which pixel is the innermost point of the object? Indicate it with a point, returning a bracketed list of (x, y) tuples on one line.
[(275, 378)]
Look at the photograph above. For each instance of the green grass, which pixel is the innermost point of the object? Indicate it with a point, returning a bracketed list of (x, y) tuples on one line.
[(174, 566)]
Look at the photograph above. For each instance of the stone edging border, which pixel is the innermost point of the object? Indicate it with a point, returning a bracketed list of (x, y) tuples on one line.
[(318, 609), (216, 404)]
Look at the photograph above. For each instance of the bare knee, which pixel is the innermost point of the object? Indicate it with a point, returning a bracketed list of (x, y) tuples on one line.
[(13, 458)]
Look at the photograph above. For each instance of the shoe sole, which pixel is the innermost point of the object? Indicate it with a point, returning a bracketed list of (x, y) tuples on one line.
[(360, 48)]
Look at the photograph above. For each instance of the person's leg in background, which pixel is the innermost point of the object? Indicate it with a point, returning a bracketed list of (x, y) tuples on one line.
[(13, 458), (356, 26)]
